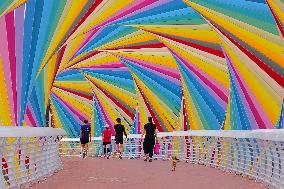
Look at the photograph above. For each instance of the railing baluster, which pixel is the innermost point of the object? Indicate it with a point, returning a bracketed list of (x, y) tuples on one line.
[(257, 156)]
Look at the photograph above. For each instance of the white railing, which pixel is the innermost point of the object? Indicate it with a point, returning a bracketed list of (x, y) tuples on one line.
[(28, 155), (257, 154)]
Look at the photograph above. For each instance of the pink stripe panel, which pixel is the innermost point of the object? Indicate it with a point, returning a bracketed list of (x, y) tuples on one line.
[(6, 65), (11, 46), (261, 118)]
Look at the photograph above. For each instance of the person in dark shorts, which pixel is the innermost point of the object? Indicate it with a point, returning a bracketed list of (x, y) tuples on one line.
[(150, 130), (119, 131), (106, 141), (85, 137)]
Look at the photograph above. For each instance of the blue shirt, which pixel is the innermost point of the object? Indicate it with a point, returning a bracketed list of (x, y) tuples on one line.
[(86, 130)]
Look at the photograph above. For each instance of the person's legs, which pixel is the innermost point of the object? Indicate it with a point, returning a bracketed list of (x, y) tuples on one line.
[(146, 149), (107, 150), (117, 145), (87, 148), (83, 150), (120, 149), (151, 148), (117, 148)]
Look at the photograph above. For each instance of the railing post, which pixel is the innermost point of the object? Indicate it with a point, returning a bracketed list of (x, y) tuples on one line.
[(23, 157), (3, 171)]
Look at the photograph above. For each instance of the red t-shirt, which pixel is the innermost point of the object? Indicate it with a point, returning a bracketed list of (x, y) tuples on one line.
[(107, 135)]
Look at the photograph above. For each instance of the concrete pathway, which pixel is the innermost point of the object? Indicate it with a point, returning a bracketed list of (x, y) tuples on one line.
[(99, 173)]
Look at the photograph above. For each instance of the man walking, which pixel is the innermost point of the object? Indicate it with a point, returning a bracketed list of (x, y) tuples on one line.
[(85, 137), (119, 131)]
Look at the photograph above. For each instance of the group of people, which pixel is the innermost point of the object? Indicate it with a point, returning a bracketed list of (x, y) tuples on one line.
[(149, 130)]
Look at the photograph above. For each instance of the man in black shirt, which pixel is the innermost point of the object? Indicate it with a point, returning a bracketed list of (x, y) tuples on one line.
[(119, 131), (149, 142), (85, 137)]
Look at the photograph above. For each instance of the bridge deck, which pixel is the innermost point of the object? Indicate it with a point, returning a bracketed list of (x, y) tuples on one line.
[(117, 174)]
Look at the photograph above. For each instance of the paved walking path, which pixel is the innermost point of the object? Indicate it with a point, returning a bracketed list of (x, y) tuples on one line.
[(101, 173)]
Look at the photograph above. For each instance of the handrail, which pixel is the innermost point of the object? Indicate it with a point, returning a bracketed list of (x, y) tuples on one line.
[(263, 134), (25, 131), (28, 154), (257, 154)]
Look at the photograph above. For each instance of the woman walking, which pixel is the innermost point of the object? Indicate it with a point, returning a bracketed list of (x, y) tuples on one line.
[(150, 130), (106, 141)]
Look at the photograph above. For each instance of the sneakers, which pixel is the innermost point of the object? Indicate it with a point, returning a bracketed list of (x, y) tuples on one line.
[(84, 155), (147, 157), (108, 155)]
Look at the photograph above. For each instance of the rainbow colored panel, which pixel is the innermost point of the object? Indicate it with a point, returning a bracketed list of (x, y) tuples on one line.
[(191, 64)]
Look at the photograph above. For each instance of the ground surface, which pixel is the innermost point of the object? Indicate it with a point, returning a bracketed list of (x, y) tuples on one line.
[(100, 173)]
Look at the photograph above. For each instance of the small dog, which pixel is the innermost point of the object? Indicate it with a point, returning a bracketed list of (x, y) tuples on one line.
[(174, 163)]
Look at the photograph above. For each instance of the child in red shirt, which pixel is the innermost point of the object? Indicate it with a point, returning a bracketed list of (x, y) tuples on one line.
[(106, 141)]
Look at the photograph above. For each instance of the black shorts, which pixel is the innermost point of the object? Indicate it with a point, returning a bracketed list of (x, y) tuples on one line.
[(84, 141), (119, 140), (106, 143)]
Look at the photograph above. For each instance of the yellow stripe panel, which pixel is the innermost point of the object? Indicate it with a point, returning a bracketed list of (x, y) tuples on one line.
[(193, 117), (278, 8), (15, 4), (77, 58), (99, 59), (127, 97), (5, 112), (163, 57), (266, 46), (80, 103), (269, 105), (49, 76), (161, 109), (143, 111), (78, 85), (102, 12), (56, 119), (227, 124), (133, 38), (70, 50), (216, 70), (109, 107), (71, 11), (197, 32)]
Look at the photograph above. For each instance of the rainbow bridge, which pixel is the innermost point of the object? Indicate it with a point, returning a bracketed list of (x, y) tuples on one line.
[(209, 72)]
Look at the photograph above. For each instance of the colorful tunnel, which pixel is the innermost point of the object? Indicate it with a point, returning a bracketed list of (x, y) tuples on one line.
[(189, 64)]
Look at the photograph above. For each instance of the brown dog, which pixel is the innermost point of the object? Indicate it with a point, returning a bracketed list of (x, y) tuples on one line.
[(174, 163)]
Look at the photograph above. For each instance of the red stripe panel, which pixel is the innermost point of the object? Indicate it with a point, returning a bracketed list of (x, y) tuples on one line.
[(260, 63), (76, 93), (159, 127), (91, 9), (9, 19), (276, 19), (130, 114), (194, 45)]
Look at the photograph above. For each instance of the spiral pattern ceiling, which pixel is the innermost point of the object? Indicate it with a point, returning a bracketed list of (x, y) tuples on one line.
[(189, 64)]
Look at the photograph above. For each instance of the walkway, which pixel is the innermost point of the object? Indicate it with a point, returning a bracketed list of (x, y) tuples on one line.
[(123, 174)]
